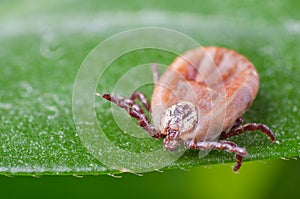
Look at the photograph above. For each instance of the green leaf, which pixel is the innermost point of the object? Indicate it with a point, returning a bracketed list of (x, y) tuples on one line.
[(42, 50)]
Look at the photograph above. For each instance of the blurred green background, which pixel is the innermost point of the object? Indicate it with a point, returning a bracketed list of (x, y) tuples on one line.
[(258, 179), (263, 179)]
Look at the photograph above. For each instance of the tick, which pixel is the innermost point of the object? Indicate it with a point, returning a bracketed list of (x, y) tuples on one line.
[(190, 97)]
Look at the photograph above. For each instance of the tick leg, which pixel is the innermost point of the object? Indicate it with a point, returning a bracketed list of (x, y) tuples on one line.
[(238, 122), (135, 111), (248, 127), (155, 73), (222, 145), (142, 98), (238, 158)]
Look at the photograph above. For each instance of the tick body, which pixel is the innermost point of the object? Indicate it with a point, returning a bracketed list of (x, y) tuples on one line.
[(199, 101)]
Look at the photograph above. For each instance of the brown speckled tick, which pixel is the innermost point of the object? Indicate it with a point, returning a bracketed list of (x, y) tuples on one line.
[(185, 102)]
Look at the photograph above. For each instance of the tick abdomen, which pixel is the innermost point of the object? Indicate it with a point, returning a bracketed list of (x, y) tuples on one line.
[(221, 83)]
